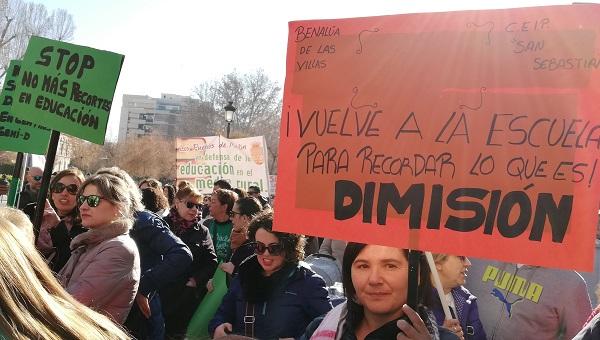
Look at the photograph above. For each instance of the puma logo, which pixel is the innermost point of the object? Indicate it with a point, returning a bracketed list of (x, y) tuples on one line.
[(497, 293)]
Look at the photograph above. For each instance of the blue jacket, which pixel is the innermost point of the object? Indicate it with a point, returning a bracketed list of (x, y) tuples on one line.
[(298, 297), (164, 257), (467, 313)]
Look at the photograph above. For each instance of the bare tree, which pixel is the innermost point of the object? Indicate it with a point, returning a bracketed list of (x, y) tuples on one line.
[(20, 20), (61, 25), (147, 156), (258, 102)]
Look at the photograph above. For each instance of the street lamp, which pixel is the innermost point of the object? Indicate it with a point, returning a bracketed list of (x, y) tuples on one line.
[(229, 110)]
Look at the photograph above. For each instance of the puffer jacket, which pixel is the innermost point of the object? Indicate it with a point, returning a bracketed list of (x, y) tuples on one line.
[(103, 271), (164, 257), (294, 299), (467, 313)]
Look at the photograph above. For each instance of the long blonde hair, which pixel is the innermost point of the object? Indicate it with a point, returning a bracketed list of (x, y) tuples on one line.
[(32, 302)]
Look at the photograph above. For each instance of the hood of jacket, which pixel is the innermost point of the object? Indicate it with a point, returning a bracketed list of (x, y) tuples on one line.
[(97, 235)]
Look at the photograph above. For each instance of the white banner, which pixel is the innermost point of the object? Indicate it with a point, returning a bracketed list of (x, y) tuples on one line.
[(242, 162)]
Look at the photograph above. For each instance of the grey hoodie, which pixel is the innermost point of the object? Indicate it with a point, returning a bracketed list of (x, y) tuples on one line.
[(528, 302)]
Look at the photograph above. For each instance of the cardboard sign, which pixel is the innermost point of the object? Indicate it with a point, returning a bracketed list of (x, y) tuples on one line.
[(68, 88), (470, 133), (17, 134), (242, 162)]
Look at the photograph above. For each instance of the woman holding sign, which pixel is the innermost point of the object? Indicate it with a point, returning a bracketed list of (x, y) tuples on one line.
[(375, 282), (465, 321), (57, 237)]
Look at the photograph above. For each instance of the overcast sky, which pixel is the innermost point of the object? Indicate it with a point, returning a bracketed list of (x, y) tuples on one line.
[(171, 46)]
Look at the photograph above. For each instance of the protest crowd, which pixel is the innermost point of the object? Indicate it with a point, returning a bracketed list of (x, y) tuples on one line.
[(116, 259), (209, 255)]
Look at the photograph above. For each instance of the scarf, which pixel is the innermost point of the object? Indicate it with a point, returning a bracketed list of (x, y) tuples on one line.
[(330, 327), (180, 225), (259, 288)]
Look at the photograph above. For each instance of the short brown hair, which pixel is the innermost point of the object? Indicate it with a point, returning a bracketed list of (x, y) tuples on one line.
[(226, 196)]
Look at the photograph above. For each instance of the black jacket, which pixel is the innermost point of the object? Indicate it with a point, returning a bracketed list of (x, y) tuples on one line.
[(204, 262), (61, 241), (163, 256)]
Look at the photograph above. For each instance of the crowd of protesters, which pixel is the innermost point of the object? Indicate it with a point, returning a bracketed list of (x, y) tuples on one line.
[(116, 259)]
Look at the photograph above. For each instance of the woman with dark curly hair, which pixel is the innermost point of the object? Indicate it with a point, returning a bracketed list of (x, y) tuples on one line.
[(273, 296)]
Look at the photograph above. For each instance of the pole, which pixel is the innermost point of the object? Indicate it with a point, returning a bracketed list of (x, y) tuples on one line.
[(15, 181), (438, 285), (228, 128), (414, 257), (41, 200)]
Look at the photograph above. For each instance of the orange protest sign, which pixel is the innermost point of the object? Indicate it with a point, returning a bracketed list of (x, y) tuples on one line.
[(473, 133)]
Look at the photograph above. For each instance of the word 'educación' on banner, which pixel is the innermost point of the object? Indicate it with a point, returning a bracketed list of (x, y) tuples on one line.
[(242, 162)]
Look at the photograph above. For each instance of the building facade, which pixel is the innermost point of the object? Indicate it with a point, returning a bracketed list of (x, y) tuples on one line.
[(145, 115)]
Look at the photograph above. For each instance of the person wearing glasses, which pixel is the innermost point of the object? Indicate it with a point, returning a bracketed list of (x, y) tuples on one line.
[(163, 259), (274, 296), (28, 197), (242, 248), (181, 298), (34, 305), (219, 226), (56, 235), (103, 271), (465, 321)]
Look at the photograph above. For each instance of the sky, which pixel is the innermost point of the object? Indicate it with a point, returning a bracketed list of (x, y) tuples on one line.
[(172, 46)]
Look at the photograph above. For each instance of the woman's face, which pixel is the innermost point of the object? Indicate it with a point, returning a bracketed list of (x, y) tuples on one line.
[(380, 278), (66, 200), (268, 261), (240, 227), (101, 215), (453, 271), (191, 212)]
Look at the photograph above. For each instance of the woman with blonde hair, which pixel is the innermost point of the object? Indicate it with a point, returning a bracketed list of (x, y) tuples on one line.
[(465, 322), (103, 271), (33, 304)]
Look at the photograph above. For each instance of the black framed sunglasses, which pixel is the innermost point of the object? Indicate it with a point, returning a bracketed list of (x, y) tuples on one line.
[(273, 248), (233, 213), (191, 205), (37, 178), (92, 200), (59, 187)]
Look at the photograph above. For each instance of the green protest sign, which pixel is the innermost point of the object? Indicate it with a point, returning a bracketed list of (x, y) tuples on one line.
[(68, 88), (18, 134)]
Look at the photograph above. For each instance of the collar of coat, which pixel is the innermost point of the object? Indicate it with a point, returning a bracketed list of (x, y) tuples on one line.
[(97, 235)]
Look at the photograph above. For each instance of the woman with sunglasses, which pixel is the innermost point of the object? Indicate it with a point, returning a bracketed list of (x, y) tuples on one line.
[(273, 296), (181, 298), (34, 305), (103, 271), (57, 237), (465, 321), (242, 248)]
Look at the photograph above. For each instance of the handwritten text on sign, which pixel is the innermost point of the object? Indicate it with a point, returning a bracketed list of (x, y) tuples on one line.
[(18, 134), (68, 88), (473, 133)]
